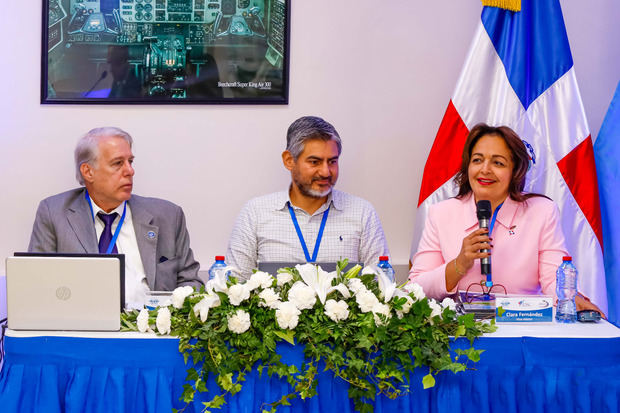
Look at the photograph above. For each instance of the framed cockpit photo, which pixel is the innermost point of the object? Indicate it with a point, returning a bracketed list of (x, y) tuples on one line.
[(165, 51)]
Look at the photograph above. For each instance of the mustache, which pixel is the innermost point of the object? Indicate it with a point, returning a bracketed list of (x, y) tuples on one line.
[(322, 178)]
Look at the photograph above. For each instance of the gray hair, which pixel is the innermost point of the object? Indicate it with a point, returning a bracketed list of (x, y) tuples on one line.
[(307, 128), (87, 148)]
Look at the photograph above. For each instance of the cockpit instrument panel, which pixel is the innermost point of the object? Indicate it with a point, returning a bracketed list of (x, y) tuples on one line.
[(178, 49)]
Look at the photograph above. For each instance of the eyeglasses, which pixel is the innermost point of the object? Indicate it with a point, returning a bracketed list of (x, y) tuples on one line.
[(485, 294)]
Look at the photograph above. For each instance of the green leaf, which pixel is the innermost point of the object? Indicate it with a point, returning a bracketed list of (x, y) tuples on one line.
[(288, 335), (373, 360), (192, 375), (428, 381), (500, 311), (216, 403), (460, 331), (353, 271), (473, 354), (225, 381), (188, 393)]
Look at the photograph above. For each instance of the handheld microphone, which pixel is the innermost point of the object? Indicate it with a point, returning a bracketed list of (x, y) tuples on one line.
[(104, 74), (483, 211)]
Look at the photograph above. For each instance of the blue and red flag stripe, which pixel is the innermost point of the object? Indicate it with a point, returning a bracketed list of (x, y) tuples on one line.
[(519, 72)]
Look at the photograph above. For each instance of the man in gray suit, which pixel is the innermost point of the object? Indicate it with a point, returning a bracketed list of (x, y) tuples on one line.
[(105, 217)]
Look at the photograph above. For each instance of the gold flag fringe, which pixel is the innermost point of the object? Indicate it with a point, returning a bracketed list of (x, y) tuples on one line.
[(512, 5)]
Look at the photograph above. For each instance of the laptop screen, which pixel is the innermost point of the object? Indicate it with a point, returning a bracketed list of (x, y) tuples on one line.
[(80, 292)]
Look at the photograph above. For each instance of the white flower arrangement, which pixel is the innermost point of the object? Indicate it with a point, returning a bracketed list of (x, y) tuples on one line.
[(180, 294), (415, 289), (302, 304), (239, 322), (337, 310), (302, 296), (163, 321), (435, 307), (449, 303), (381, 309), (238, 293), (143, 321), (366, 300), (287, 315), (284, 278), (259, 279), (269, 298)]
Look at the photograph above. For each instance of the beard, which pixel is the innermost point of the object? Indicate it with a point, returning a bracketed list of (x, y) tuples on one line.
[(306, 187)]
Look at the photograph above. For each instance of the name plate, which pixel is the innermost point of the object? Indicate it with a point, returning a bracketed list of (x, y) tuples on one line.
[(524, 309), (158, 299)]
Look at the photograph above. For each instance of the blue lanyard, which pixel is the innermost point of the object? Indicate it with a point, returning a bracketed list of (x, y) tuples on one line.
[(301, 237), (492, 224), (489, 282), (118, 227)]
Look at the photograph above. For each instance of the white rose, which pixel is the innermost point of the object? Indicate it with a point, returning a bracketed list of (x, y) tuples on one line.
[(366, 300), (284, 278), (239, 322), (143, 321), (202, 308), (448, 303), (302, 296), (238, 293), (407, 306), (356, 285), (270, 298), (180, 294), (336, 310), (381, 309), (259, 279), (287, 315), (435, 307), (416, 289), (163, 320)]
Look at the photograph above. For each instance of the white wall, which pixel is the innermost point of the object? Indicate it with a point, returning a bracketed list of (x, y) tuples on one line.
[(381, 71)]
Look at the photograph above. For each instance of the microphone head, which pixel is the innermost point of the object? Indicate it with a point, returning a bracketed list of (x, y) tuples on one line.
[(483, 209), (104, 74)]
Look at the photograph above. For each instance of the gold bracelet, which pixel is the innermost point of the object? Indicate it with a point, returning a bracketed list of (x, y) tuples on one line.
[(456, 268)]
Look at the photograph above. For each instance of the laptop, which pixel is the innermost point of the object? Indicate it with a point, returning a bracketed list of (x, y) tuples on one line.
[(66, 292), (272, 267)]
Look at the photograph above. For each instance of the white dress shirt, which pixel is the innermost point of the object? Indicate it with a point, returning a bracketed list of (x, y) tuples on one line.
[(136, 286), (264, 231)]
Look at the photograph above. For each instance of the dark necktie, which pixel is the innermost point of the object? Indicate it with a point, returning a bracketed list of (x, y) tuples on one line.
[(106, 235)]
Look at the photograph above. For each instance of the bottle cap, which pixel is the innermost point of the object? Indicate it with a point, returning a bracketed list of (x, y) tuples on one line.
[(384, 258), (567, 258), (220, 258)]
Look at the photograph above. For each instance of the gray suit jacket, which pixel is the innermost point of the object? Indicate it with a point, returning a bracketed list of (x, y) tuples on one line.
[(64, 224)]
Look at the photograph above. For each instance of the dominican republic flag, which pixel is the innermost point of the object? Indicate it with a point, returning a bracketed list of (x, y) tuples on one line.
[(519, 72), (607, 154)]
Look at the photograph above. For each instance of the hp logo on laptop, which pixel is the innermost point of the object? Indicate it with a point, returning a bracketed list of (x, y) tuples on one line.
[(63, 293)]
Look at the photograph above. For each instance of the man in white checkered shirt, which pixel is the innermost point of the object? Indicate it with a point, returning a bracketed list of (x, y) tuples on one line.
[(286, 226)]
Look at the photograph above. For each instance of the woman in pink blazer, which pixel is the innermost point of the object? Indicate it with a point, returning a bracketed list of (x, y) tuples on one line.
[(527, 243)]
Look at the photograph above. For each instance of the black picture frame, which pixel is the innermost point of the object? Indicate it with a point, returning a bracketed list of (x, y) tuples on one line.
[(165, 52)]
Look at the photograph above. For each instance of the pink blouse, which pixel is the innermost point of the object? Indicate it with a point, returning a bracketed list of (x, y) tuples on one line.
[(528, 245)]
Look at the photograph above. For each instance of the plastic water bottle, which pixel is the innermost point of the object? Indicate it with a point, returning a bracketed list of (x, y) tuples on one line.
[(218, 265), (384, 265), (566, 289)]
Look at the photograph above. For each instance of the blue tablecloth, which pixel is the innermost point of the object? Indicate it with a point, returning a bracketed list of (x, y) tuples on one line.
[(70, 374)]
